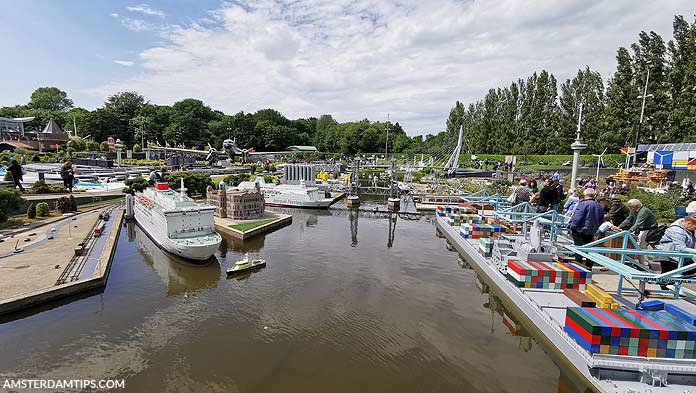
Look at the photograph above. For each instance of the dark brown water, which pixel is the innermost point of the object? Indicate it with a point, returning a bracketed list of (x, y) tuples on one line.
[(344, 305)]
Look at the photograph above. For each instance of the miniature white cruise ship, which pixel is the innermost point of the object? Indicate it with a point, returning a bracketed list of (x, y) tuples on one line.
[(176, 223), (290, 195)]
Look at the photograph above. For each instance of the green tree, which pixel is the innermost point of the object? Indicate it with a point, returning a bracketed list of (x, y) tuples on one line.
[(104, 146), (682, 82), (77, 144), (115, 118), (50, 99), (587, 88), (621, 109)]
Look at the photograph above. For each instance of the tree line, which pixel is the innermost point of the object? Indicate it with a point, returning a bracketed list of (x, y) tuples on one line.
[(192, 123), (530, 116)]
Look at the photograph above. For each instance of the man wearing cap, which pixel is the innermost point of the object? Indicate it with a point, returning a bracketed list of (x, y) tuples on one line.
[(586, 219)]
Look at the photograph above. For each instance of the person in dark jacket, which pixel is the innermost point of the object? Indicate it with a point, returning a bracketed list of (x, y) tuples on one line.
[(560, 194), (68, 175), (587, 218), (16, 171), (640, 221), (617, 210), (547, 197)]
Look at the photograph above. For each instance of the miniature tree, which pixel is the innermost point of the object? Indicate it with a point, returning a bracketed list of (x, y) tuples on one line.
[(31, 211), (42, 209)]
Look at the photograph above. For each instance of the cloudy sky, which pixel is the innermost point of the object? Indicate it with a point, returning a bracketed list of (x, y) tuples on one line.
[(353, 59)]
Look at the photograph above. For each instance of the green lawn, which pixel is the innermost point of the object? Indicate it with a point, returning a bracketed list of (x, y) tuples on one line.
[(247, 226)]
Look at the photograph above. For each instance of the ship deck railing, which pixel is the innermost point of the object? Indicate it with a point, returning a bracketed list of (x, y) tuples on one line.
[(629, 268), (592, 361)]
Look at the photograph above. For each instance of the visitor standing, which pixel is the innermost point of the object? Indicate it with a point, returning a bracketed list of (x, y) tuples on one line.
[(591, 184), (68, 175), (522, 193), (17, 173), (533, 186), (587, 218), (560, 194), (571, 203), (547, 197), (556, 176), (617, 210)]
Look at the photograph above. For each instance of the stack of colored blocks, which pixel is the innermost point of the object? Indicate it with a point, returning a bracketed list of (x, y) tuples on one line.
[(444, 211), (477, 231), (547, 275), (486, 246), (629, 332), (601, 298), (456, 220)]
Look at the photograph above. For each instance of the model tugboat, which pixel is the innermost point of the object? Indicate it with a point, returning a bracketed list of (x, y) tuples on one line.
[(246, 265)]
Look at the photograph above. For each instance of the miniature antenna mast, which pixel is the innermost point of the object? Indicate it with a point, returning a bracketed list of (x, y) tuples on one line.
[(181, 191)]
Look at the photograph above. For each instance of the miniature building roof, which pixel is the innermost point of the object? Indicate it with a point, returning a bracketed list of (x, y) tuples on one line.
[(17, 144), (17, 120), (302, 148), (667, 147), (52, 128)]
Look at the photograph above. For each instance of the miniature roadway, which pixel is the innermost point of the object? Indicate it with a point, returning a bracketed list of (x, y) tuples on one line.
[(47, 268)]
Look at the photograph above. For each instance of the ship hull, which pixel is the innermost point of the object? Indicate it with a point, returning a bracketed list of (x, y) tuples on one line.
[(149, 223)]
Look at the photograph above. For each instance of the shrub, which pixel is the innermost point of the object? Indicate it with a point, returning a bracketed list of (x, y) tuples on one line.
[(195, 182), (137, 148), (662, 205), (104, 146), (42, 209), (8, 176), (63, 204), (31, 211), (136, 184), (40, 187), (73, 203), (92, 146), (234, 180), (9, 200), (35, 158)]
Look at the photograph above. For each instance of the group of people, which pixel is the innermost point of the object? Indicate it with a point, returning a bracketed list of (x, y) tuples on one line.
[(547, 198), (590, 213), (67, 174)]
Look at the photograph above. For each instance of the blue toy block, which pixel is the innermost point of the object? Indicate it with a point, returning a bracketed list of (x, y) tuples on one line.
[(681, 314), (653, 305)]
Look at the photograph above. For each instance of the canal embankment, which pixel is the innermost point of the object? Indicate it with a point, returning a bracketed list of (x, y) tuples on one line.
[(60, 259)]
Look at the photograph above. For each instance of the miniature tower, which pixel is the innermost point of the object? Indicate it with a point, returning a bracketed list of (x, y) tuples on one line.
[(577, 146)]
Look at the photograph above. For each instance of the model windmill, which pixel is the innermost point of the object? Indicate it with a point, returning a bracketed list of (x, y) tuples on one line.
[(600, 163)]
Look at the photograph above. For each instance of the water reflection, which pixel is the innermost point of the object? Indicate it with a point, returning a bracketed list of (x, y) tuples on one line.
[(500, 316), (178, 275)]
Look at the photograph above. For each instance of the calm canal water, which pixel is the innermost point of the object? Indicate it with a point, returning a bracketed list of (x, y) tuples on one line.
[(343, 306)]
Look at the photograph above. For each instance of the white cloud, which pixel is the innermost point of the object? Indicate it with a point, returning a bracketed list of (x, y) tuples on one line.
[(114, 15), (145, 9), (358, 59), (126, 63), (136, 24)]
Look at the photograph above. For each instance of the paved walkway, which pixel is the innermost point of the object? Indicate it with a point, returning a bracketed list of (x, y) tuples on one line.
[(42, 262)]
